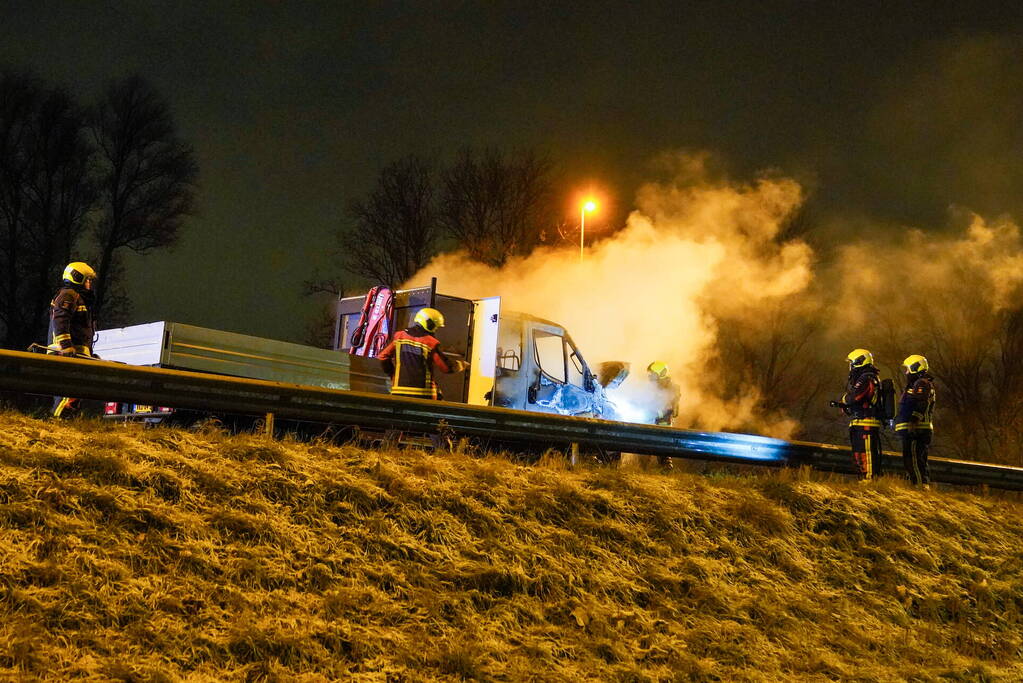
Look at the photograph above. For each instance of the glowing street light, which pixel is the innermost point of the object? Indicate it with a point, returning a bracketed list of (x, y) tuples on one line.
[(588, 206)]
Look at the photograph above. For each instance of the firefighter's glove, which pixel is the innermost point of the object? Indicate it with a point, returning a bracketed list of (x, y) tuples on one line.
[(69, 351), (461, 365)]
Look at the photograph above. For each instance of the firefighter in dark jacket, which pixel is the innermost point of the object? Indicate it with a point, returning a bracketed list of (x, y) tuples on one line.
[(668, 394), (414, 356), (914, 421), (860, 404), (72, 327)]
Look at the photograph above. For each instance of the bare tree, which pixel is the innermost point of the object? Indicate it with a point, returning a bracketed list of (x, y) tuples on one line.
[(46, 193), (394, 229), (497, 206), (148, 177), (390, 235)]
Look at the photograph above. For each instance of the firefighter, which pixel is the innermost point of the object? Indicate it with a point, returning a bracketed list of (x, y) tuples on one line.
[(668, 395), (860, 403), (914, 421), (414, 357), (72, 327)]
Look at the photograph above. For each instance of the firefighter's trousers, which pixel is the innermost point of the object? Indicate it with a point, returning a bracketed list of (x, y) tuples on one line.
[(65, 406), (664, 461), (915, 445), (866, 450)]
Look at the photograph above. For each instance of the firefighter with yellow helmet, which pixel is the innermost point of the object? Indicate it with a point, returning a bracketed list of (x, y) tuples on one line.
[(860, 403), (414, 357), (667, 395), (914, 421), (72, 325)]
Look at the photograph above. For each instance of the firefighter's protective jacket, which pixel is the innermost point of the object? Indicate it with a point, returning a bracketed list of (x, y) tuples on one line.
[(71, 322), (860, 399), (916, 406), (670, 395), (412, 359)]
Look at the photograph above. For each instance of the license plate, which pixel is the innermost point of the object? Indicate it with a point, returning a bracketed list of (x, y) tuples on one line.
[(143, 409)]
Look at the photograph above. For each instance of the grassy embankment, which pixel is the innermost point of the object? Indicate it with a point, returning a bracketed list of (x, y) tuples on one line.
[(164, 554)]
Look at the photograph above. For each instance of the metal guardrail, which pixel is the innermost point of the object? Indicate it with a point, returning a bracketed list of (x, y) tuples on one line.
[(105, 381)]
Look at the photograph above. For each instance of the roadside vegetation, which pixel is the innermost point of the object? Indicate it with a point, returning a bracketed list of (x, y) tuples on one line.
[(162, 554)]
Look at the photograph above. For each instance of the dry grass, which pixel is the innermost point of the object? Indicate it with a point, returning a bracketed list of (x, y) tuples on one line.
[(165, 555)]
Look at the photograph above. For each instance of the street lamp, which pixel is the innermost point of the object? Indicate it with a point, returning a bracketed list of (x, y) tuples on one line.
[(591, 206)]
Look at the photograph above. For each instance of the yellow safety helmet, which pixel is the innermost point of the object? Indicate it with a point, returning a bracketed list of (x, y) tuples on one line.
[(430, 318), (78, 272), (658, 368), (914, 364), (858, 358)]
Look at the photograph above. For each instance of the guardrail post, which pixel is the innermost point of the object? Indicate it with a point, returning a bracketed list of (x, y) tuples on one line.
[(269, 425), (573, 456)]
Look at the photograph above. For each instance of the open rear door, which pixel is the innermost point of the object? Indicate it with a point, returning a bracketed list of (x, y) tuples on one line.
[(482, 371)]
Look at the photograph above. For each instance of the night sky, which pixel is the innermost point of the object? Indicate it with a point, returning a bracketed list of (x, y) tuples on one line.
[(890, 113)]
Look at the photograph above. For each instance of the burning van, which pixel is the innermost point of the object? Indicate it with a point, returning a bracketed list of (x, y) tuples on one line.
[(516, 360)]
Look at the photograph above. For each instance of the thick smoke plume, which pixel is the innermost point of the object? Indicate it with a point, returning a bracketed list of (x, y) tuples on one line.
[(695, 252), (707, 276)]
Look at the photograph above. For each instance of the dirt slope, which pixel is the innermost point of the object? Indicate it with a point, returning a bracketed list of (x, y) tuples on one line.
[(168, 555)]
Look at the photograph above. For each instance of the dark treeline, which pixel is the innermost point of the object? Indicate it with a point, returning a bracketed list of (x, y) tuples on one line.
[(492, 204), (83, 182)]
